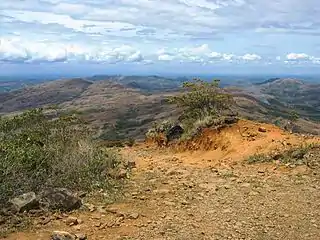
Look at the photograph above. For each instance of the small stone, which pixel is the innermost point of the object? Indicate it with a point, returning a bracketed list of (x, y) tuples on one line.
[(81, 236), (262, 129), (228, 210), (61, 235), (71, 221), (134, 215), (46, 221), (184, 202), (253, 193), (161, 191), (169, 203), (112, 210), (91, 207)]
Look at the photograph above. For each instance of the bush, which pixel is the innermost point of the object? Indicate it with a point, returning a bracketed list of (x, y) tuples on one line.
[(37, 152), (203, 104), (201, 99)]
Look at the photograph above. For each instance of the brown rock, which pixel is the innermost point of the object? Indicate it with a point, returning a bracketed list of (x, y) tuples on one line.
[(81, 236), (71, 221), (134, 215), (61, 235), (262, 129)]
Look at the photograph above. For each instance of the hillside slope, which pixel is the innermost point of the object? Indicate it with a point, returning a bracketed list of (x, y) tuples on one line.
[(208, 193)]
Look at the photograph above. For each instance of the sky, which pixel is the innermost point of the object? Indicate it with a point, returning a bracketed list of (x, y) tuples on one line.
[(159, 36)]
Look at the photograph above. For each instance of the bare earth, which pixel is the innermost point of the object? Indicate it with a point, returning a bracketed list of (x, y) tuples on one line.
[(205, 194)]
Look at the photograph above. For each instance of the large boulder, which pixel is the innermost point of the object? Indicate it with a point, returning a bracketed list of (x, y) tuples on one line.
[(174, 132), (25, 202), (59, 199)]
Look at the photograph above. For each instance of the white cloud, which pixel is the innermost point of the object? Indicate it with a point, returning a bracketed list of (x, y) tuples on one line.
[(298, 56), (200, 31), (251, 57), (14, 50), (301, 58), (165, 57), (202, 54)]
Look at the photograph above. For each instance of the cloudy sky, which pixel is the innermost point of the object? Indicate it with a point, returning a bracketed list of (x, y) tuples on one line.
[(160, 35)]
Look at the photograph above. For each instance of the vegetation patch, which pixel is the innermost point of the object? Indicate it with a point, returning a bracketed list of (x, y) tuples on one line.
[(308, 154), (37, 153), (203, 104)]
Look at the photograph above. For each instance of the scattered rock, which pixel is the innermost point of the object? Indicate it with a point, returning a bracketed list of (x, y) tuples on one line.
[(61, 235), (262, 129), (81, 236), (91, 207), (60, 199), (46, 221), (134, 216), (72, 221), (161, 191), (25, 202)]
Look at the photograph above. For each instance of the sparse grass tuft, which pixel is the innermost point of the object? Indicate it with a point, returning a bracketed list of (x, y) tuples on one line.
[(296, 155)]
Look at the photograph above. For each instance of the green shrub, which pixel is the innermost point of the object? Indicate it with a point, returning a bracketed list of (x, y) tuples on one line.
[(201, 99), (203, 105), (37, 152)]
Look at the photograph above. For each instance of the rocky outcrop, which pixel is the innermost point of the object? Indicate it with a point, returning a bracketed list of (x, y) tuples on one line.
[(25, 202), (60, 199)]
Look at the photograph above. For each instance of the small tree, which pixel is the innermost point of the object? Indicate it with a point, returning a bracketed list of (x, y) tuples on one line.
[(293, 116), (201, 99)]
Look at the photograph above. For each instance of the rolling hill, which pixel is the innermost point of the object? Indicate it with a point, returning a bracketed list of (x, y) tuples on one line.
[(120, 107)]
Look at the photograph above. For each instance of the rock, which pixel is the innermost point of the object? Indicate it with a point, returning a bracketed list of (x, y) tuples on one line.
[(61, 235), (81, 236), (25, 202), (174, 133), (134, 216), (262, 129), (72, 221), (46, 221), (161, 191), (60, 199)]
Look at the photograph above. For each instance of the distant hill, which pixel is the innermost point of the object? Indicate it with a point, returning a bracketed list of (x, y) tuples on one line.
[(49, 93), (271, 80), (143, 83), (120, 107)]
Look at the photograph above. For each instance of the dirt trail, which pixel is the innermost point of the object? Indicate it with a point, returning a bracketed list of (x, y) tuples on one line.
[(207, 194)]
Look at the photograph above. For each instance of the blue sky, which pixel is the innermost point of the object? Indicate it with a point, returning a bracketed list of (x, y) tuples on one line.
[(160, 36)]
